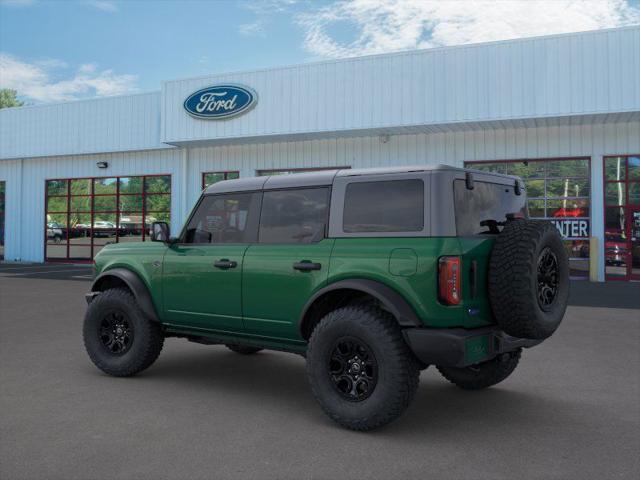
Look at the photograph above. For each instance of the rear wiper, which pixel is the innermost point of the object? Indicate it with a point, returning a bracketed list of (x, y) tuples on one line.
[(492, 224)]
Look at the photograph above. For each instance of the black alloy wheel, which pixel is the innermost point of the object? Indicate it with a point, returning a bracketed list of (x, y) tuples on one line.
[(116, 333), (353, 369), (548, 275)]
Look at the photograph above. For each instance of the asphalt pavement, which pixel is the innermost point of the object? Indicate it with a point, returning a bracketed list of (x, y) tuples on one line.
[(571, 409)]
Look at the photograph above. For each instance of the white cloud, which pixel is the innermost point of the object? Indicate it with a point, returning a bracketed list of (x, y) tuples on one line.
[(104, 5), (36, 81), (252, 29), (389, 25)]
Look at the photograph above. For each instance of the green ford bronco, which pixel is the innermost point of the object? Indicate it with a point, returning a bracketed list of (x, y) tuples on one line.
[(372, 275)]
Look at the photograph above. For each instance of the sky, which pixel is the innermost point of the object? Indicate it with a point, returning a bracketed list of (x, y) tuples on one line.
[(59, 50)]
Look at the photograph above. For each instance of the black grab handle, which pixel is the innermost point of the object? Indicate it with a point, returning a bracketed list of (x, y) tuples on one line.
[(225, 264), (306, 266)]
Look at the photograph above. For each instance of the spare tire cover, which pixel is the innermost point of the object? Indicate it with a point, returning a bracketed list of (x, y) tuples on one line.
[(529, 279)]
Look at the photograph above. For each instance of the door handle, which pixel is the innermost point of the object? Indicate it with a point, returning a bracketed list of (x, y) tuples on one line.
[(306, 265), (225, 264)]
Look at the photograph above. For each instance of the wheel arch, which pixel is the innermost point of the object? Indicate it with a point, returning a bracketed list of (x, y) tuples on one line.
[(122, 277), (313, 310)]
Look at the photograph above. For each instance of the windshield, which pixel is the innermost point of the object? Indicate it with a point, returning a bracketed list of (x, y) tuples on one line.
[(484, 209)]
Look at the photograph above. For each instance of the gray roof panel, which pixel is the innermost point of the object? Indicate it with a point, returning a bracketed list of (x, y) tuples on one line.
[(326, 177)]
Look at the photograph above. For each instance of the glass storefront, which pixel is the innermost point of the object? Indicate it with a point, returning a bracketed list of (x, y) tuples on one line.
[(558, 190), (209, 178), (622, 217), (2, 210), (85, 214)]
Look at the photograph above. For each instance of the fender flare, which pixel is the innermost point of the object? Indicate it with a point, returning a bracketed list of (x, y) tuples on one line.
[(392, 300), (135, 284)]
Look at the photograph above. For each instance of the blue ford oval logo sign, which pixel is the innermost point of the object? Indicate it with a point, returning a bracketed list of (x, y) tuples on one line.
[(220, 101)]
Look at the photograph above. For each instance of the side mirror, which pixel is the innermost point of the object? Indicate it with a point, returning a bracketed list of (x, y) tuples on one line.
[(159, 232)]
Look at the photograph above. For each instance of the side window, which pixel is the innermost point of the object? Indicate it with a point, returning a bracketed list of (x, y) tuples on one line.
[(384, 206), (294, 216), (229, 218)]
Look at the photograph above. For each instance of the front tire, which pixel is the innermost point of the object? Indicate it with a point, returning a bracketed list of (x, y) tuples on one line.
[(360, 369), (485, 374), (120, 340)]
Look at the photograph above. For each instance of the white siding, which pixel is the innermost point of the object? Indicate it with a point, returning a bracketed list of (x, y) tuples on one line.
[(90, 126), (548, 77)]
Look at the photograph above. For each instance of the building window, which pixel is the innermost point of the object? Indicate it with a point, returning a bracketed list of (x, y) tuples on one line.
[(209, 178), (2, 210), (85, 214), (558, 190), (622, 217), (287, 171)]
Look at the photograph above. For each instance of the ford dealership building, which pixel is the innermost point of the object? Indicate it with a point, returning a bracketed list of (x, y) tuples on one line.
[(561, 111)]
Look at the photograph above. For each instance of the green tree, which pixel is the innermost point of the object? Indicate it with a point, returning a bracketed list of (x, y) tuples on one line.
[(8, 98)]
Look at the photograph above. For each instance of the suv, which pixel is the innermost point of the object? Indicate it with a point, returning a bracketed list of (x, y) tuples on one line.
[(372, 275)]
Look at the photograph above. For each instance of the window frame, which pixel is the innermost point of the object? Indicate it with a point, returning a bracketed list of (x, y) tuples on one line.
[(94, 245), (336, 216), (627, 208), (194, 210), (325, 233), (226, 174)]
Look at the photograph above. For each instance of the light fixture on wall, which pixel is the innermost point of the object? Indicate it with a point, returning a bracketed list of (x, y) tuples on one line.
[(102, 164)]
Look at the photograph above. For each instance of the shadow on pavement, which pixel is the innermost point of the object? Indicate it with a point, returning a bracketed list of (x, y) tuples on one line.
[(605, 295)]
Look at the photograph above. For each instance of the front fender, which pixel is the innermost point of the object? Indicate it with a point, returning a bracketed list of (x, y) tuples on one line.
[(131, 280)]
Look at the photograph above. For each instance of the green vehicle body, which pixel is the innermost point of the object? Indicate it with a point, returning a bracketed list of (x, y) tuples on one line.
[(266, 303)]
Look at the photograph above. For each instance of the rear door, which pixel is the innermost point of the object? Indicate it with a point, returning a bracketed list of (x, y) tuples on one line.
[(202, 274), (289, 262)]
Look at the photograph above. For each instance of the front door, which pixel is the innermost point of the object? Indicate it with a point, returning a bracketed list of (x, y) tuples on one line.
[(202, 273), (290, 262)]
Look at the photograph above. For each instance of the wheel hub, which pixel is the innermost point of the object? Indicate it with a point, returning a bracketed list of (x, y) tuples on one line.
[(353, 369), (548, 278), (116, 333)]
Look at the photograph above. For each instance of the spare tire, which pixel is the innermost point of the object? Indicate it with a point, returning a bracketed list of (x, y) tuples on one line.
[(529, 279)]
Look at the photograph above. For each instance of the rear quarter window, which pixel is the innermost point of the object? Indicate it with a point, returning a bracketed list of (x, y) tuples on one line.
[(384, 206), (478, 210)]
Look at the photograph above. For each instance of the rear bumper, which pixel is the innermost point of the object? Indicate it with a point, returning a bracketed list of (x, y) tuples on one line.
[(457, 347)]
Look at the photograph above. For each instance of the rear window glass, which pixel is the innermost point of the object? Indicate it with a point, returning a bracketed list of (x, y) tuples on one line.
[(384, 206), (483, 209), (294, 216)]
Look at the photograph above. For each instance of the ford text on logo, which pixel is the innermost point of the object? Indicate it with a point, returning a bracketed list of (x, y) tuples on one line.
[(220, 101)]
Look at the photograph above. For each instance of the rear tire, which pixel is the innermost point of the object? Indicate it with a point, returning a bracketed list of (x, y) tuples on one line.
[(120, 340), (360, 369), (485, 374), (243, 349)]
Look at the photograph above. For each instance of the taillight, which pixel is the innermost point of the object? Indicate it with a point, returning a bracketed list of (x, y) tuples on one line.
[(449, 280)]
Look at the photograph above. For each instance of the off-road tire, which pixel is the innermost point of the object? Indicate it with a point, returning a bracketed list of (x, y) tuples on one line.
[(484, 374), (146, 344), (243, 349), (397, 369), (514, 279)]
